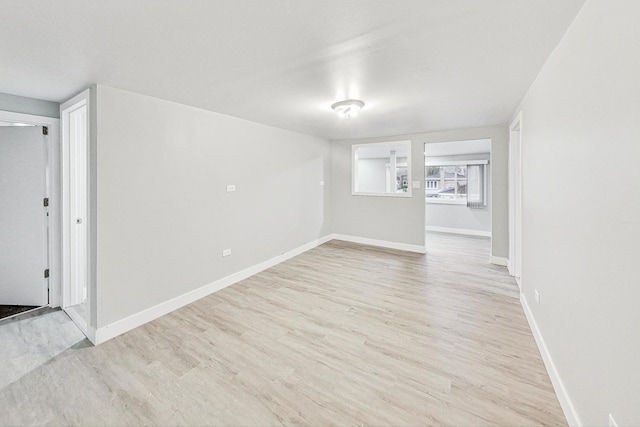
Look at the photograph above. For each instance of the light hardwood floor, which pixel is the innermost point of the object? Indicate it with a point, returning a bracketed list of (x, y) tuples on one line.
[(344, 334)]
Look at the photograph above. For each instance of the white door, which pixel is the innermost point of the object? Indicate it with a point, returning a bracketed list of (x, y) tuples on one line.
[(23, 221), (78, 205), (74, 116)]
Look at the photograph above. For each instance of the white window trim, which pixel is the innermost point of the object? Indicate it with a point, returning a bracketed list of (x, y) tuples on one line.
[(453, 163), (446, 201), (458, 163), (354, 169)]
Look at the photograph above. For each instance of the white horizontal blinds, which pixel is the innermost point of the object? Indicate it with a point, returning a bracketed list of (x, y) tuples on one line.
[(476, 197)]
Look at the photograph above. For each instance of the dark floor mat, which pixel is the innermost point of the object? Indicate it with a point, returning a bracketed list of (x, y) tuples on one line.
[(10, 310)]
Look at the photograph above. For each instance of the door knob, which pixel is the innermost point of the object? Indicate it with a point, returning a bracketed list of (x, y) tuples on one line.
[(78, 220)]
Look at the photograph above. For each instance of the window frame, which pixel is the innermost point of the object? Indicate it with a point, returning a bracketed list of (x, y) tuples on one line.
[(354, 168), (462, 202)]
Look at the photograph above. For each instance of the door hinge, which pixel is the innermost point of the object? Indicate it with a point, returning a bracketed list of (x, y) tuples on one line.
[(46, 273), (45, 130), (45, 201)]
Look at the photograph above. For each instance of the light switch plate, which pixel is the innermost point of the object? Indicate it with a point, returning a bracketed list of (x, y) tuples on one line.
[(415, 184), (231, 188), (226, 252)]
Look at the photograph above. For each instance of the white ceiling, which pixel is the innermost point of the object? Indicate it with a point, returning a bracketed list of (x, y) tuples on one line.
[(418, 65), (456, 148)]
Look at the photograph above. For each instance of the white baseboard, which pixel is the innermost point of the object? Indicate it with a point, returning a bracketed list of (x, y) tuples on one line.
[(105, 333), (131, 322), (499, 261), (458, 231), (382, 243), (565, 401)]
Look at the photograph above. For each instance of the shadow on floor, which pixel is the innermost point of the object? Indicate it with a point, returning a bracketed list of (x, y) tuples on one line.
[(11, 310)]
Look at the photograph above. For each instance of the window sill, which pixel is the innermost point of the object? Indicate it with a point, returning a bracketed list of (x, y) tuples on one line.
[(446, 202), (401, 195)]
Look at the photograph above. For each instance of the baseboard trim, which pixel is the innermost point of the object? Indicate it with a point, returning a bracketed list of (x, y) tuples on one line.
[(138, 319), (458, 231), (105, 333), (381, 243), (499, 261), (565, 401)]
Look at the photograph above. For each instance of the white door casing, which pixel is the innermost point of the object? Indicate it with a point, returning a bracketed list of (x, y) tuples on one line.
[(515, 199), (74, 116)]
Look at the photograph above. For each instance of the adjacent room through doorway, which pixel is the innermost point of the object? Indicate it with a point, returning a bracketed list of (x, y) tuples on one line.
[(458, 189), (23, 218)]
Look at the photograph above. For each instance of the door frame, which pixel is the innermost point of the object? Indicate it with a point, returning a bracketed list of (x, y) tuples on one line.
[(52, 191), (514, 263), (81, 99)]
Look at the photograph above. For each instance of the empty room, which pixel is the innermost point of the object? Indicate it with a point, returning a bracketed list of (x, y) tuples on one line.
[(357, 212)]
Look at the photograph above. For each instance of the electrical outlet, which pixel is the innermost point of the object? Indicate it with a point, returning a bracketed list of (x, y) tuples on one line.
[(612, 422), (537, 294), (226, 252), (231, 188), (415, 184)]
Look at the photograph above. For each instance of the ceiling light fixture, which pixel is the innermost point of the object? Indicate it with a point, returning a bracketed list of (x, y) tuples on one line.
[(348, 107)]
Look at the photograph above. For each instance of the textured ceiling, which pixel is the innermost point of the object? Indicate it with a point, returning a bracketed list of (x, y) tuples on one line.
[(418, 65)]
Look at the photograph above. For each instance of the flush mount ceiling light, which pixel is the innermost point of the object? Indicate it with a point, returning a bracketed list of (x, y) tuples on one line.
[(348, 107)]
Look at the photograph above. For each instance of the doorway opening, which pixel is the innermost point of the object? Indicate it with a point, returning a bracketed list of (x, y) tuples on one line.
[(26, 145), (458, 189)]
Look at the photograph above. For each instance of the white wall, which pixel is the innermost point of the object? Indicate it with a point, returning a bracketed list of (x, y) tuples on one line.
[(460, 217), (163, 213), (369, 216), (24, 105), (457, 219), (581, 210)]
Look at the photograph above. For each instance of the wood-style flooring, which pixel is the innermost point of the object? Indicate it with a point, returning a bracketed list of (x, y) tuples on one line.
[(344, 334)]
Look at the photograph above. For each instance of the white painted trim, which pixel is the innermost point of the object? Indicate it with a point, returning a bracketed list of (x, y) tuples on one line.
[(119, 327), (52, 192), (9, 116), (565, 401), (456, 162), (77, 319), (354, 168), (81, 99), (499, 261), (382, 243), (138, 319), (91, 335), (515, 192), (433, 200), (458, 231), (402, 194)]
